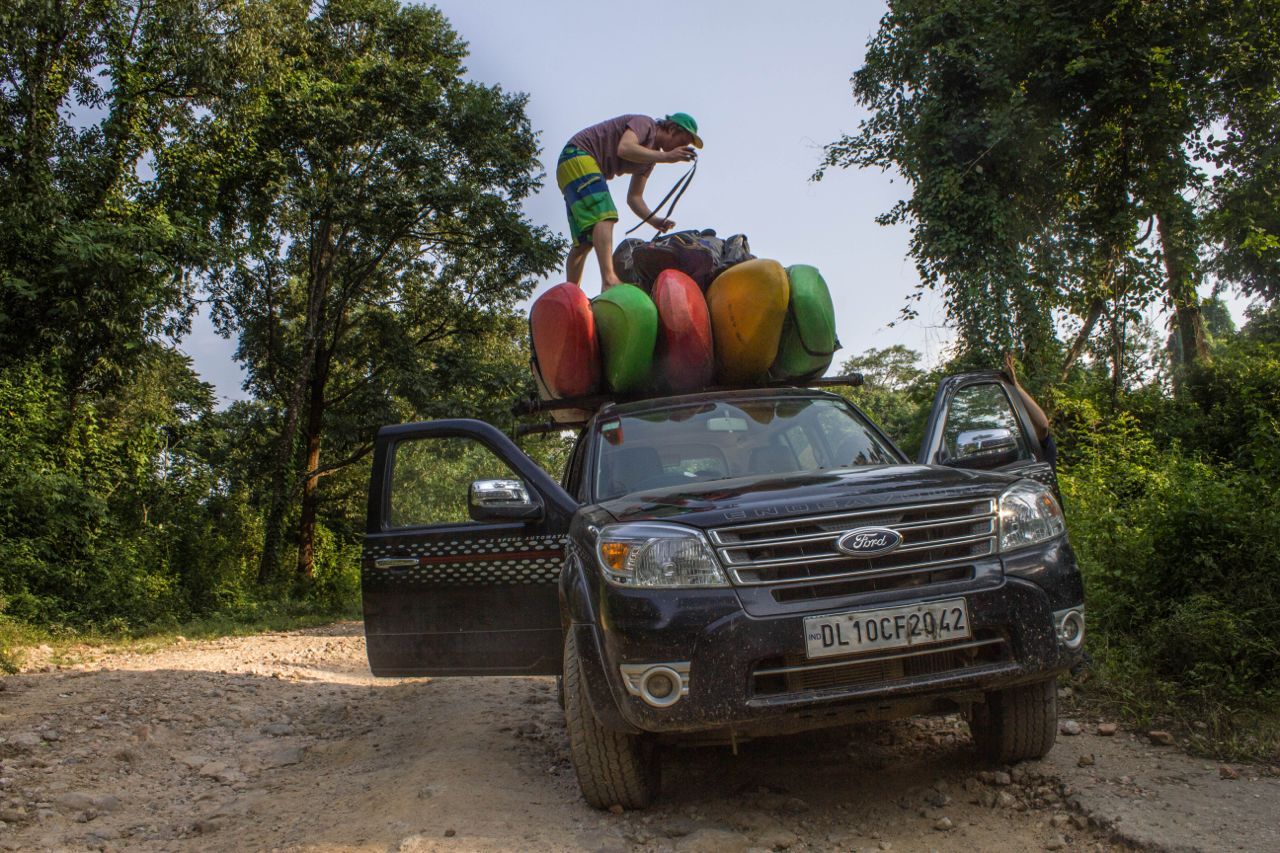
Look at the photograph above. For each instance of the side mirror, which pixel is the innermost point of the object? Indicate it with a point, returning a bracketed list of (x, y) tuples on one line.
[(502, 500), (984, 448)]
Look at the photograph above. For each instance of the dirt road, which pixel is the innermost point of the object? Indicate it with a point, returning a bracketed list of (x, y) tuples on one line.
[(284, 741)]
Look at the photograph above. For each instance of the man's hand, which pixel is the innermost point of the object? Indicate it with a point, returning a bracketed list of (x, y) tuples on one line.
[(679, 155), (663, 224), (1010, 369)]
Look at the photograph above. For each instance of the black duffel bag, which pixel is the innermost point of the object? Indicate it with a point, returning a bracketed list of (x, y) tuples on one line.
[(701, 255)]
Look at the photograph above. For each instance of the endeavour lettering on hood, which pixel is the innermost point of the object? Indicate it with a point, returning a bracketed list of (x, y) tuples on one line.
[(874, 499)]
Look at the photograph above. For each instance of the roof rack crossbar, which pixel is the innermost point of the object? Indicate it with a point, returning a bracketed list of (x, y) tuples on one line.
[(543, 427), (589, 404)]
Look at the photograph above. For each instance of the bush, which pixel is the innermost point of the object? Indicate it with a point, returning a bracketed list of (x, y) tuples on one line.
[(109, 516), (336, 587), (1181, 559)]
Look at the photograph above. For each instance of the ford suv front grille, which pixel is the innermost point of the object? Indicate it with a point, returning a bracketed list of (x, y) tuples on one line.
[(795, 551)]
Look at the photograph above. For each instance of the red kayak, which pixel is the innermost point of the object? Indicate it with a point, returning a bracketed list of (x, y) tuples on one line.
[(566, 352), (685, 358)]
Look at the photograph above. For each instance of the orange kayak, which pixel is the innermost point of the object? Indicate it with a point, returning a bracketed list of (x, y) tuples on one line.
[(566, 353), (748, 303)]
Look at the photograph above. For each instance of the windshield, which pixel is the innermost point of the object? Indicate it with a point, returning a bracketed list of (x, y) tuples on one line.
[(719, 440)]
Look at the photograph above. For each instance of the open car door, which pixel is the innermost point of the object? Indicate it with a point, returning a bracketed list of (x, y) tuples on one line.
[(462, 554), (978, 422)]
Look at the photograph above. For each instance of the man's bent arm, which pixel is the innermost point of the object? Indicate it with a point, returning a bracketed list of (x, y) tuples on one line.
[(629, 148), (635, 201), (635, 196)]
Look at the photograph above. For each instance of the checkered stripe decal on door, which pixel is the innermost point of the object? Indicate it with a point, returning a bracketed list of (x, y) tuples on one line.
[(472, 562), (1042, 474)]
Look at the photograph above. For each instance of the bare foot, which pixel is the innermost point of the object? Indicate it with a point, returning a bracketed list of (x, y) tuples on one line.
[(610, 281)]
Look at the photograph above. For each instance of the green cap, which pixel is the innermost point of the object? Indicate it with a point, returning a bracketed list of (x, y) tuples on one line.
[(686, 121)]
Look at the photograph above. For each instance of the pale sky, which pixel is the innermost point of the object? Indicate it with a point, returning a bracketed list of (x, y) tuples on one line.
[(768, 85)]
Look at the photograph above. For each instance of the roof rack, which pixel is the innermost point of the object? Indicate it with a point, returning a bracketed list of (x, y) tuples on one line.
[(588, 405)]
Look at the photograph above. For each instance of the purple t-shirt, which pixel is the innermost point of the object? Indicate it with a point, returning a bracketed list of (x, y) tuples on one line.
[(601, 142)]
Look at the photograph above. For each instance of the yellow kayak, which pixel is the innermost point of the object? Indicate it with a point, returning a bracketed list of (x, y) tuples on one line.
[(748, 304)]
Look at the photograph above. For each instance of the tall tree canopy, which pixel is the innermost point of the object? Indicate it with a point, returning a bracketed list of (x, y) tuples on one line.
[(367, 202), (91, 257), (1057, 154)]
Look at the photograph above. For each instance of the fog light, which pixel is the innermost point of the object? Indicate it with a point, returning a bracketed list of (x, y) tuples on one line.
[(659, 685), (1070, 625)]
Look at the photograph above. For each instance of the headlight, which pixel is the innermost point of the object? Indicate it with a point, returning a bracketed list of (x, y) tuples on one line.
[(1029, 514), (657, 555)]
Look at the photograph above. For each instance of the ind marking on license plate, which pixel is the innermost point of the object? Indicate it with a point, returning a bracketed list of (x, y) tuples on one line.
[(886, 628)]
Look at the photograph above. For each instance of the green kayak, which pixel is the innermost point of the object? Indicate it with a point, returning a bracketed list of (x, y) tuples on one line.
[(627, 326), (809, 329)]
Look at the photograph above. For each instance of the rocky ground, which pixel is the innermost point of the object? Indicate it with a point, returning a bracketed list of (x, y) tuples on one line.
[(284, 741)]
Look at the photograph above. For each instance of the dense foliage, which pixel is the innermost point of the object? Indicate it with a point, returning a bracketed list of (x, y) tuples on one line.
[(1173, 508), (1073, 170), (326, 179), (1088, 157)]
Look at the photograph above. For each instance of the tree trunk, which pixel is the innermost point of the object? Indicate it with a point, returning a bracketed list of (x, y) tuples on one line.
[(273, 528), (311, 480), (1178, 255), (1095, 311), (1117, 353)]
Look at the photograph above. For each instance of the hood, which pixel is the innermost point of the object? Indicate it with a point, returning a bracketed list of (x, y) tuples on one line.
[(746, 499)]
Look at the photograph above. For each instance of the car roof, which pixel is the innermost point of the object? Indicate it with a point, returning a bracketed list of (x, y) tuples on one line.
[(655, 403)]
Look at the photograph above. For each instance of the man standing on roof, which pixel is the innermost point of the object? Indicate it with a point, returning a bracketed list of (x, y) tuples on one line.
[(630, 145)]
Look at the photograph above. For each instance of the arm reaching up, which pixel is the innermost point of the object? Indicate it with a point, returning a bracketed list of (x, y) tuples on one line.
[(1039, 420)]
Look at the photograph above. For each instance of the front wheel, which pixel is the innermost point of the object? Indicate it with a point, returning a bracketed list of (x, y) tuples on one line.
[(612, 768), (1018, 723)]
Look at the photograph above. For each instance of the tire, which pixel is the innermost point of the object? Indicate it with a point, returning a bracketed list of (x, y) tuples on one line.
[(612, 768), (1017, 724)]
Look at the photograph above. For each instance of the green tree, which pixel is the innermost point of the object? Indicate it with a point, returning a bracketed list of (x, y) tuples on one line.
[(115, 517), (1243, 216), (1052, 152), (895, 391), (111, 512), (367, 198), (91, 254)]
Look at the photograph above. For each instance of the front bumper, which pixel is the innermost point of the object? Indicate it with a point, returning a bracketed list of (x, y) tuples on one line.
[(727, 648)]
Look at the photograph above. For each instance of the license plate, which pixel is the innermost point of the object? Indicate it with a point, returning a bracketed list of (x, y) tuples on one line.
[(887, 628)]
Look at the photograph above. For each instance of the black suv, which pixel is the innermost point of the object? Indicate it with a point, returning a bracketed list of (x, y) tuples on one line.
[(730, 565)]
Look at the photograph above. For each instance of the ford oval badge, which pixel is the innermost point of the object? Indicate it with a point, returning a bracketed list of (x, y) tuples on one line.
[(869, 541)]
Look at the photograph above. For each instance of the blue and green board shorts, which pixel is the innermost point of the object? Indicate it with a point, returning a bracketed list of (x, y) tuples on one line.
[(586, 193)]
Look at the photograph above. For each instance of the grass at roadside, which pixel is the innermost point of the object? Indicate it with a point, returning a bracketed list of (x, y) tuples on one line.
[(58, 646), (1116, 687)]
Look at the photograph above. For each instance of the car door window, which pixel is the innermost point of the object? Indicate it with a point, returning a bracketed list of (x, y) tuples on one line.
[(572, 480), (431, 477), (981, 423)]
